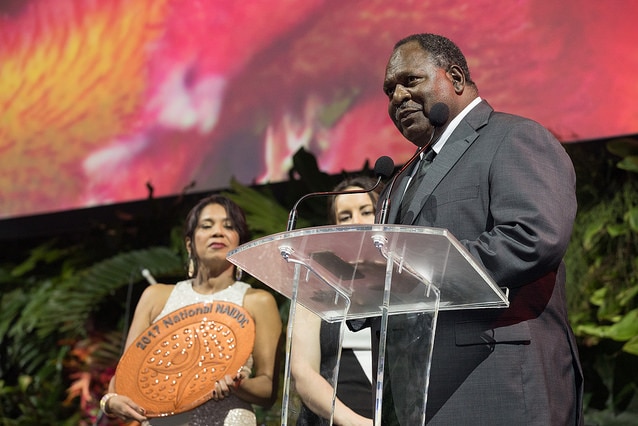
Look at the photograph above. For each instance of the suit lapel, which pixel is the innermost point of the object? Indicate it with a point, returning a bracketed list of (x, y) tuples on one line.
[(460, 140)]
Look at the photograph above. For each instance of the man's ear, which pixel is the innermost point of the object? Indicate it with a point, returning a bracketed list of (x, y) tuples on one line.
[(457, 78)]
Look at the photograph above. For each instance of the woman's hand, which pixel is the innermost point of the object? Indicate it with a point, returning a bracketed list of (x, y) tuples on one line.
[(224, 387), (123, 407), (245, 371)]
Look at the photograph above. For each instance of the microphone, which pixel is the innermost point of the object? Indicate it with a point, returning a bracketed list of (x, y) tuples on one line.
[(149, 277), (383, 167), (438, 116)]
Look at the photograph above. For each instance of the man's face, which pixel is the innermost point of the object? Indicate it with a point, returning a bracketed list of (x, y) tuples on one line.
[(413, 83)]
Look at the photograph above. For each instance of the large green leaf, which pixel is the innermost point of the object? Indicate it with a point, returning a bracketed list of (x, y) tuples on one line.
[(632, 218), (631, 346), (629, 164), (624, 147), (626, 328), (11, 305), (43, 253), (67, 305)]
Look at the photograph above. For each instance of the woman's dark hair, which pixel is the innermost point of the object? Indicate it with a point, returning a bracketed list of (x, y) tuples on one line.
[(234, 212), (363, 182)]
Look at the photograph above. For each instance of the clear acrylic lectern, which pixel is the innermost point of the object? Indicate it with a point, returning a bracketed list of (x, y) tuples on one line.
[(349, 272)]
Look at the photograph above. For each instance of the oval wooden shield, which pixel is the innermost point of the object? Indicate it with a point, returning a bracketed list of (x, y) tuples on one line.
[(173, 365)]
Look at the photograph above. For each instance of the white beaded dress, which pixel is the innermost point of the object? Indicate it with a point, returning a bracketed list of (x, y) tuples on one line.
[(231, 411)]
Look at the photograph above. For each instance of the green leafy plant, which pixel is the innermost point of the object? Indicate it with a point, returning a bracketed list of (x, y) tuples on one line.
[(602, 263), (44, 322)]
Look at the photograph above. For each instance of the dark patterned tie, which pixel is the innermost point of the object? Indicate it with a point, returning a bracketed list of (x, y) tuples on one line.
[(414, 183)]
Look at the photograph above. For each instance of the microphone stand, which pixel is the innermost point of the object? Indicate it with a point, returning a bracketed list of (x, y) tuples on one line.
[(292, 217), (385, 206)]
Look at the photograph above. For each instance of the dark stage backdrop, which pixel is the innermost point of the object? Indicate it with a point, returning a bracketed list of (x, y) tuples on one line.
[(101, 99)]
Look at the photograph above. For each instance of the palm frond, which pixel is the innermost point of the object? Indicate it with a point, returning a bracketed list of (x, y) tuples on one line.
[(71, 301)]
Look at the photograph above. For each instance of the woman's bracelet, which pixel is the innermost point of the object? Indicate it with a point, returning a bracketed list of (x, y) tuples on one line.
[(247, 369), (103, 404)]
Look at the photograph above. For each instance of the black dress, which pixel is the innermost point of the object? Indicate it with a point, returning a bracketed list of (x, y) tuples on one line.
[(353, 387)]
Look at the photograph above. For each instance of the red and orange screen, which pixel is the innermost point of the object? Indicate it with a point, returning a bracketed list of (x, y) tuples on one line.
[(102, 99)]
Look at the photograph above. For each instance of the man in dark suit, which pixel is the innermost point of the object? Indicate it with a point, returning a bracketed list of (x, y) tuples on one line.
[(505, 188)]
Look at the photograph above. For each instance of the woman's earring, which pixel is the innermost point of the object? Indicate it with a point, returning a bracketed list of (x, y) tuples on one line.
[(238, 273), (191, 268)]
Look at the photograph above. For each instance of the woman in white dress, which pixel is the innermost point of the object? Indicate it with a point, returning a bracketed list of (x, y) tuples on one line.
[(215, 226)]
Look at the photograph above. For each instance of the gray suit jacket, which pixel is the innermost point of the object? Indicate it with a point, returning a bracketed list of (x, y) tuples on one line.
[(505, 187)]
